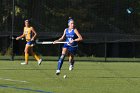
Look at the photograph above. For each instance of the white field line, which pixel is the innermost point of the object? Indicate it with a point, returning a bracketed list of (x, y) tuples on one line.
[(7, 79)]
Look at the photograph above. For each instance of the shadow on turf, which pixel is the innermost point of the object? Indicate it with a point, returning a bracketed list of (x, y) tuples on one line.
[(85, 60)]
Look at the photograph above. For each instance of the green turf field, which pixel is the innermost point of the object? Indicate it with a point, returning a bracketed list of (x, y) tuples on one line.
[(87, 77)]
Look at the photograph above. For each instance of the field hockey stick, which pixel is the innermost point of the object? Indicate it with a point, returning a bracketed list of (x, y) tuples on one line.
[(49, 42)]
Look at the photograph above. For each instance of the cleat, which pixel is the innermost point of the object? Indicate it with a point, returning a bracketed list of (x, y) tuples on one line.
[(24, 63), (40, 61), (57, 72), (70, 67)]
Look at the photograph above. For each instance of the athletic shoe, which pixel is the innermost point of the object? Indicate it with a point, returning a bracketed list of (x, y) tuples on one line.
[(24, 63), (70, 67), (40, 61), (57, 72)]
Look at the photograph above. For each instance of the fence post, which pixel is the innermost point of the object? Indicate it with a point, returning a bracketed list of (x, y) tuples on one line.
[(105, 55), (12, 46)]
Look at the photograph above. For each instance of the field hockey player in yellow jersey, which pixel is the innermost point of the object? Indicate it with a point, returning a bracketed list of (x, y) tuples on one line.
[(29, 34)]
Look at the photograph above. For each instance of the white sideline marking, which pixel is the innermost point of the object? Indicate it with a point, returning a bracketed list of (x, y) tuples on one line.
[(7, 79)]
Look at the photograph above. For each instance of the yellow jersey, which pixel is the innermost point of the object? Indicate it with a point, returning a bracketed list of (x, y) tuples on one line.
[(28, 33)]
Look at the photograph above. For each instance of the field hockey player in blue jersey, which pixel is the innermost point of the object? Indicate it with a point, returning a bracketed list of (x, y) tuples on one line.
[(72, 36)]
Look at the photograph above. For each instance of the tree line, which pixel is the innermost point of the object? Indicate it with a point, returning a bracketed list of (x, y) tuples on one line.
[(90, 15)]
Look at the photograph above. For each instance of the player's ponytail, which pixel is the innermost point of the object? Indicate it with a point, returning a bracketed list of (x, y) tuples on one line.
[(70, 19)]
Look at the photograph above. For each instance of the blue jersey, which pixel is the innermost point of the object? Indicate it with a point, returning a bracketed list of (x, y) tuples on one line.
[(70, 35)]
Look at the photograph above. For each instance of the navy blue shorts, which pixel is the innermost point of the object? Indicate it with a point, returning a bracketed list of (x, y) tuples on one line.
[(71, 49)]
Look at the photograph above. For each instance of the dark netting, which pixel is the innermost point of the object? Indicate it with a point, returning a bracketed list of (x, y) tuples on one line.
[(109, 28)]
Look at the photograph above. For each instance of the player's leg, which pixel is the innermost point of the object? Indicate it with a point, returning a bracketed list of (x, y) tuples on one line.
[(26, 51), (71, 61), (72, 52), (60, 61), (39, 60)]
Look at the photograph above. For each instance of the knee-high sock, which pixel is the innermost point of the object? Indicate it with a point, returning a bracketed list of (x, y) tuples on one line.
[(26, 57), (35, 56), (60, 61), (72, 62)]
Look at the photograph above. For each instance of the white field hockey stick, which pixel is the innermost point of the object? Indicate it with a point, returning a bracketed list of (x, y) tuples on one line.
[(49, 42)]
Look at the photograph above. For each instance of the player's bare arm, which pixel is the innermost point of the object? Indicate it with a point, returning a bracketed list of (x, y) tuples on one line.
[(61, 38), (79, 36), (34, 34), (23, 35)]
